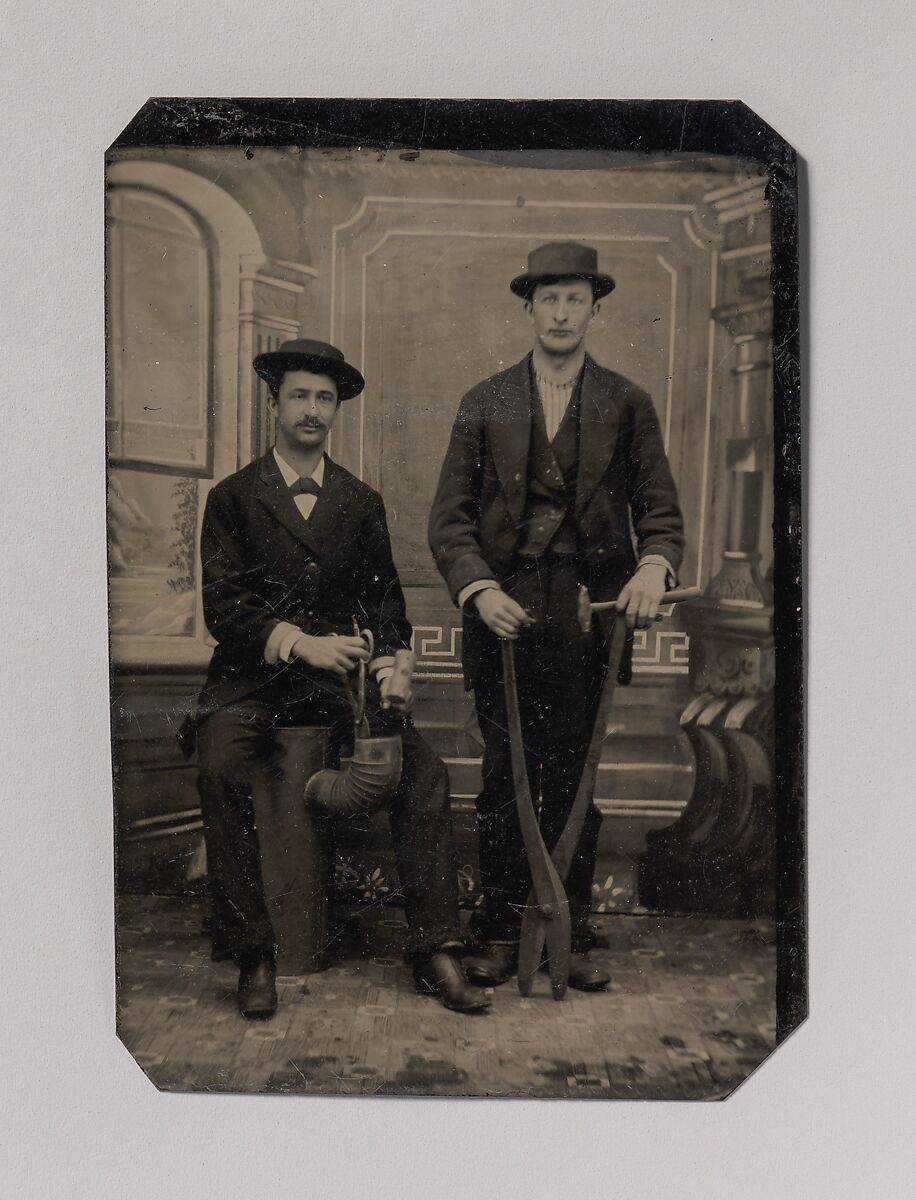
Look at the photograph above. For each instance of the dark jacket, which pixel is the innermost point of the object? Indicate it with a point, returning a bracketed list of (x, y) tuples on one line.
[(623, 480), (263, 563)]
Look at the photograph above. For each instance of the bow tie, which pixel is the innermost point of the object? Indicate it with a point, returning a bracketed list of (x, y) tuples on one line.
[(305, 487)]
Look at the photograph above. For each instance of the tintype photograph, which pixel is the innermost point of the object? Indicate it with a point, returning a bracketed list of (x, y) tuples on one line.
[(455, 596)]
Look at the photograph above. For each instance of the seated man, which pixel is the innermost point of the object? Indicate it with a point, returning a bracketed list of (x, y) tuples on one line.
[(293, 548)]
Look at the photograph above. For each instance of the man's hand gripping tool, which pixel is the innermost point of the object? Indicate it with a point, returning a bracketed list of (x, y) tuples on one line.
[(399, 688)]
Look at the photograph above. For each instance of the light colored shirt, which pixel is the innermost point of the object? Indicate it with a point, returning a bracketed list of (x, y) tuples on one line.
[(284, 635), (555, 398)]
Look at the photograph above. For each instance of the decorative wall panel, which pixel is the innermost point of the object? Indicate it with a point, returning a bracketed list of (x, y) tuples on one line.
[(159, 334)]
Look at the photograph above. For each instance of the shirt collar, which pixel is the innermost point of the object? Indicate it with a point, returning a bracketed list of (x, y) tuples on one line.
[(290, 475), (569, 382)]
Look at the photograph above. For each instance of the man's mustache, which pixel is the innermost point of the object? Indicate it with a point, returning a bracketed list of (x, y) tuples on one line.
[(310, 423)]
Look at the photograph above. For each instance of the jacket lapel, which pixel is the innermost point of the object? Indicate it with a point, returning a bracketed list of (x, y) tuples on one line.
[(277, 498), (326, 522), (599, 421), (509, 431)]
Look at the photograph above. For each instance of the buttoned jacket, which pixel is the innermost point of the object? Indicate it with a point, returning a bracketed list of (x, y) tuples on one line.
[(263, 563), (626, 501)]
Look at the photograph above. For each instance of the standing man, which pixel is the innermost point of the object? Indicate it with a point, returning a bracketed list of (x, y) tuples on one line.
[(555, 476), (293, 548)]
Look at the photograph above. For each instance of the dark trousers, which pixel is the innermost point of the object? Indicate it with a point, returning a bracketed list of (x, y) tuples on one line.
[(559, 673), (234, 740)]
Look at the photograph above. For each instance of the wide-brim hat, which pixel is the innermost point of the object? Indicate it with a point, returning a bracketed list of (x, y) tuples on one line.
[(562, 260), (306, 355)]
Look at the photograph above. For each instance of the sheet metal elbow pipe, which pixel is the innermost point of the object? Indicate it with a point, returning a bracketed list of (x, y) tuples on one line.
[(368, 781)]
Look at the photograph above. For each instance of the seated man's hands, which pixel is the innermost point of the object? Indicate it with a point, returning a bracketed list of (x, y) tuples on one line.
[(500, 613), (641, 596), (336, 652)]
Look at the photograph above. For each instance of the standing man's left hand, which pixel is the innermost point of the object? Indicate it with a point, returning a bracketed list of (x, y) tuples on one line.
[(641, 596)]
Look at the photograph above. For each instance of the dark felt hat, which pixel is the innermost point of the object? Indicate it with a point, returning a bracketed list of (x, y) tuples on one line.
[(306, 355), (562, 260)]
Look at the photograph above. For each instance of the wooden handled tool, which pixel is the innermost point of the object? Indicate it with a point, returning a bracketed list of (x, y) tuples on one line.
[(586, 607), (536, 931), (546, 920), (402, 676)]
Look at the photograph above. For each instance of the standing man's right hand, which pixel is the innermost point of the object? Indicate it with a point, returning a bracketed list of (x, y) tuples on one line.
[(336, 652), (500, 613)]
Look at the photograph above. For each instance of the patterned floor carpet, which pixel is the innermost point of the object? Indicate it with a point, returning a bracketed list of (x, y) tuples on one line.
[(689, 1015)]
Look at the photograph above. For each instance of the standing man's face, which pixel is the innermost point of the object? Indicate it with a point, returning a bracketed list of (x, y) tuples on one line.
[(305, 408), (561, 314)]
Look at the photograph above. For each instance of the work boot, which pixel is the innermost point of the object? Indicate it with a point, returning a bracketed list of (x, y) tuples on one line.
[(441, 975), (257, 986), (584, 976)]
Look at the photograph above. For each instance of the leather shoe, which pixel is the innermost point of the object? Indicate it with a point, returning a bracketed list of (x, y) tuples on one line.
[(257, 988), (442, 976), (584, 976), (495, 966)]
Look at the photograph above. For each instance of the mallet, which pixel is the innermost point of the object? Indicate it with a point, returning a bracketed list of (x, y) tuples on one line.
[(586, 607)]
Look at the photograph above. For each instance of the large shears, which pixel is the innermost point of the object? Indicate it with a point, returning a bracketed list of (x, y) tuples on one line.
[(546, 920)]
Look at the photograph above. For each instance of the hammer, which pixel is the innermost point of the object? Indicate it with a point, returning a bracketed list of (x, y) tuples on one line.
[(586, 607)]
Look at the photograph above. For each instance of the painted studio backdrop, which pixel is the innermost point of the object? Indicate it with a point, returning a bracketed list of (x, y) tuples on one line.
[(403, 262)]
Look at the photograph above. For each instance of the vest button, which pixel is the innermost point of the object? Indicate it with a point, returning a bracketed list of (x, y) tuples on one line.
[(601, 553), (518, 477)]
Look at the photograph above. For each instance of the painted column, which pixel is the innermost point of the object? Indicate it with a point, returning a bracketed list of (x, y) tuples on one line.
[(269, 301), (718, 856)]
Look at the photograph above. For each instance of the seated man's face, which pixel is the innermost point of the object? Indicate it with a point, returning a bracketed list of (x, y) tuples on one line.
[(305, 408), (561, 313)]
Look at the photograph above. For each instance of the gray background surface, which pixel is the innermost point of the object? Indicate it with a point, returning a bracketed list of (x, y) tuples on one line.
[(831, 1115)]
